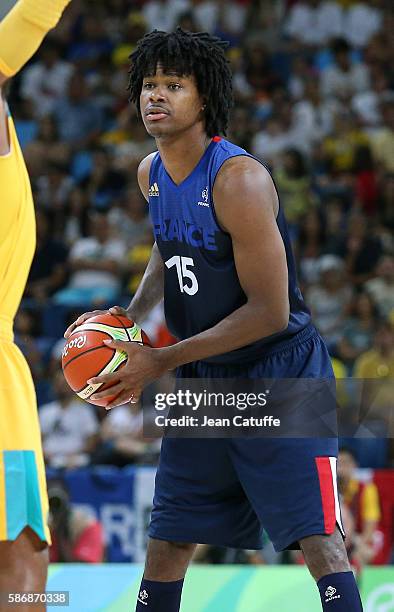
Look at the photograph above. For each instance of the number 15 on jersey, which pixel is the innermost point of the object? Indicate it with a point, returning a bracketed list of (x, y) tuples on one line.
[(182, 265)]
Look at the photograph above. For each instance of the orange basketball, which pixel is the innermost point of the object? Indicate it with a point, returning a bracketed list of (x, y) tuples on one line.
[(85, 356)]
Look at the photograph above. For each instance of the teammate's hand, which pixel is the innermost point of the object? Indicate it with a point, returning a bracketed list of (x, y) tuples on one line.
[(143, 365), (115, 310)]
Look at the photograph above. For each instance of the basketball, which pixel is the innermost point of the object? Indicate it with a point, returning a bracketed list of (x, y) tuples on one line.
[(85, 356)]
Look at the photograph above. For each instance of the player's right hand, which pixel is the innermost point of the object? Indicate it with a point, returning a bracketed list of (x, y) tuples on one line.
[(115, 310)]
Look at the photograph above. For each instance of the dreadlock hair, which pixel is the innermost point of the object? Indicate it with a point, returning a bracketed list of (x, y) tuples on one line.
[(187, 53)]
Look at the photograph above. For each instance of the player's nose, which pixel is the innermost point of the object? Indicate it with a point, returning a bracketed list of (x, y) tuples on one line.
[(157, 95)]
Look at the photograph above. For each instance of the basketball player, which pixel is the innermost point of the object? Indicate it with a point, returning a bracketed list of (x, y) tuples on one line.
[(23, 499), (222, 260)]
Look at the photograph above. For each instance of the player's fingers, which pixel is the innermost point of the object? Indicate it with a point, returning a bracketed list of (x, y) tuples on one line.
[(80, 320), (118, 310), (69, 329), (121, 345), (104, 378), (114, 390)]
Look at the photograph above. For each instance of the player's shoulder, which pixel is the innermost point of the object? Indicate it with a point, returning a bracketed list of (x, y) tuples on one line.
[(242, 171), (143, 173)]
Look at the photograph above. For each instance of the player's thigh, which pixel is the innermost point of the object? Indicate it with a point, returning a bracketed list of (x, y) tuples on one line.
[(291, 485), (23, 567), (167, 561)]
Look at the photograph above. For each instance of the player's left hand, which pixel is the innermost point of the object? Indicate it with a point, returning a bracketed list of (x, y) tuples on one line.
[(143, 365)]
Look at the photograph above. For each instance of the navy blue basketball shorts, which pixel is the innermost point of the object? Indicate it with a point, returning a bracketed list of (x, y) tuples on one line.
[(224, 491)]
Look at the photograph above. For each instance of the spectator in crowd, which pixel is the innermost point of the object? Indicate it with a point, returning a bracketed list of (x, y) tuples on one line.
[(310, 246), (367, 103), (69, 427), (335, 222), (314, 114), (95, 263), (271, 142), (362, 500), (54, 185), (294, 185), (137, 260), (133, 29), (76, 536), (78, 117), (329, 299), (339, 147), (121, 438), (130, 218), (361, 250), (344, 78), (26, 339), (163, 15), (382, 139), (376, 368), (313, 23), (366, 183), (74, 218), (358, 329), (381, 286), (45, 149), (46, 81), (91, 42), (104, 183), (48, 272), (363, 20)]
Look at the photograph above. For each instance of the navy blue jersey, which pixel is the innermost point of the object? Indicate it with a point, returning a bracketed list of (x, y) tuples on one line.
[(201, 285)]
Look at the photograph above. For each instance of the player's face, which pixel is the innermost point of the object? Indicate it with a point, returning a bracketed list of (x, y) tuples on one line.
[(170, 103)]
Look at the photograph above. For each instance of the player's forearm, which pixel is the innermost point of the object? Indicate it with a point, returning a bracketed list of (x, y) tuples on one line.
[(150, 290), (245, 325), (23, 29)]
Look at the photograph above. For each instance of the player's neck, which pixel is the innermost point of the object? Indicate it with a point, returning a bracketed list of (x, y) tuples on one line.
[(181, 154)]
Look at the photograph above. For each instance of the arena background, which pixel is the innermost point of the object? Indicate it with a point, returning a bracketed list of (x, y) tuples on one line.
[(313, 89)]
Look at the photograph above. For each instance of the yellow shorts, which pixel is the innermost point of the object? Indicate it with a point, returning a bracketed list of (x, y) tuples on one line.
[(23, 495)]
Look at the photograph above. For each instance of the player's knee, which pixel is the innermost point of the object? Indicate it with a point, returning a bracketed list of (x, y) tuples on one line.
[(167, 560), (23, 563), (325, 555)]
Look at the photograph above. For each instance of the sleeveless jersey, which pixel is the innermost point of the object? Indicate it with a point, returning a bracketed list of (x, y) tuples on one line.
[(201, 285), (23, 496)]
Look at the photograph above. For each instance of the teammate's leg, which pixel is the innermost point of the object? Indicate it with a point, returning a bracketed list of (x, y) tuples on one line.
[(327, 561), (165, 568), (23, 567)]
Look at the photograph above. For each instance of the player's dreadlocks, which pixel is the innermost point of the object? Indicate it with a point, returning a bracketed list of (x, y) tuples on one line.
[(187, 53)]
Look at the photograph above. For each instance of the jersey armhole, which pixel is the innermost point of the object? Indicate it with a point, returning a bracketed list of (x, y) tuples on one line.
[(213, 184)]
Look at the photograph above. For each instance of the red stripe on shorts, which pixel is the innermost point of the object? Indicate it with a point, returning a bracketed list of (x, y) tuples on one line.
[(327, 492)]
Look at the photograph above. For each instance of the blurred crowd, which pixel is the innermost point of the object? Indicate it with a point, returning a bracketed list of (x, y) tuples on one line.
[(313, 86)]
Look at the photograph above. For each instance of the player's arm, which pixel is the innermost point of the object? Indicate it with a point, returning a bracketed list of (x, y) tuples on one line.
[(246, 205), (151, 287)]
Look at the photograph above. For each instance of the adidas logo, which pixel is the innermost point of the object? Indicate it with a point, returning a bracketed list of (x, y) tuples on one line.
[(330, 594), (143, 595), (154, 191)]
